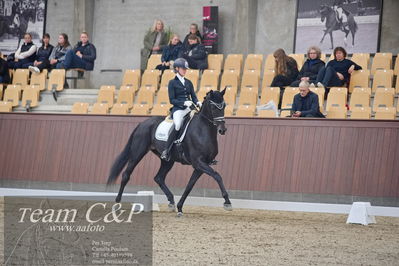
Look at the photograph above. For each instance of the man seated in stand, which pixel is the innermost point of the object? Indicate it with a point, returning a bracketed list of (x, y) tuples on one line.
[(306, 102)]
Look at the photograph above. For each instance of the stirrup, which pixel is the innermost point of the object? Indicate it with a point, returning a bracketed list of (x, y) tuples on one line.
[(165, 156)]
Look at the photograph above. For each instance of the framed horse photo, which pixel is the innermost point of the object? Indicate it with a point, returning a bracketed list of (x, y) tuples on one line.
[(18, 17), (352, 24)]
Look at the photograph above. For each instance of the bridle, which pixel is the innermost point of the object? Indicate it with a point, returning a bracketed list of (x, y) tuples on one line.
[(214, 120)]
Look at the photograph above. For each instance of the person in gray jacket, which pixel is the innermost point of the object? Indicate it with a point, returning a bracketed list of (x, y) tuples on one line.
[(154, 42), (57, 56)]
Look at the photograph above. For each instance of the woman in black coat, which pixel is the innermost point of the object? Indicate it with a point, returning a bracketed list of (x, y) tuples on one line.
[(4, 74), (170, 52), (195, 54), (42, 56), (310, 68)]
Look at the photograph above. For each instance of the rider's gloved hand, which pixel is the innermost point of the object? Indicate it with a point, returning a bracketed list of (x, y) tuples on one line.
[(199, 104), (188, 103)]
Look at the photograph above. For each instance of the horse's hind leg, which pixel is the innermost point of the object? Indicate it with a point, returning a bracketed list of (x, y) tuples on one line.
[(193, 179), (160, 180)]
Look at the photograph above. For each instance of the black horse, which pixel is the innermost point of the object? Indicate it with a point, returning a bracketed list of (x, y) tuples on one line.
[(199, 145), (328, 14)]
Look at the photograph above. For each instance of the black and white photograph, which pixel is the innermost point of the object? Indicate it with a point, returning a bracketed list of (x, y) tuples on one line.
[(17, 18), (353, 24)]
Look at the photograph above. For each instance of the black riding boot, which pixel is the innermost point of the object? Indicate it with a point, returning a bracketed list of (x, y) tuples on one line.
[(169, 144)]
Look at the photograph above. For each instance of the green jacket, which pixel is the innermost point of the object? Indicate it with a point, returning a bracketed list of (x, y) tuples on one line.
[(149, 41)]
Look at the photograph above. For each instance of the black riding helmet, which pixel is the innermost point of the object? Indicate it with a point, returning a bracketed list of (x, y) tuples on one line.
[(180, 62)]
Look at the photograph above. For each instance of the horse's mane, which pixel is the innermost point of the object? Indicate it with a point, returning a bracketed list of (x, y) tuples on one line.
[(214, 96)]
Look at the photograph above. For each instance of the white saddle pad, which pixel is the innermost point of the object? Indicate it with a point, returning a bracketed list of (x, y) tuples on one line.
[(163, 130)]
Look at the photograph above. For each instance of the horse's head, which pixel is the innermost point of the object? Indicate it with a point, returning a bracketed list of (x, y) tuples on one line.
[(324, 10), (213, 108)]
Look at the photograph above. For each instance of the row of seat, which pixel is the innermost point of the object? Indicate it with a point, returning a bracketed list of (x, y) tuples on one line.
[(234, 62)]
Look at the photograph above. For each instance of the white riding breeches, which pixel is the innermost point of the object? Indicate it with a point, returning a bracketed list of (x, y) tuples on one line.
[(178, 117)]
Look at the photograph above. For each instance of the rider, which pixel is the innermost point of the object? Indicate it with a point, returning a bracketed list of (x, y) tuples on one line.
[(181, 96), (339, 11)]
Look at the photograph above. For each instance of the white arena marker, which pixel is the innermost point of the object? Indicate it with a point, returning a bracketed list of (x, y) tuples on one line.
[(359, 214), (155, 206)]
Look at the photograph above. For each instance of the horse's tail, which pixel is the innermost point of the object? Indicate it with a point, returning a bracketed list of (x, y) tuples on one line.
[(120, 161)]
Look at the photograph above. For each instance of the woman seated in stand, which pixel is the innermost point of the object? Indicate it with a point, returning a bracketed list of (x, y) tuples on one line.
[(195, 54), (310, 68), (193, 30), (170, 53), (42, 56)]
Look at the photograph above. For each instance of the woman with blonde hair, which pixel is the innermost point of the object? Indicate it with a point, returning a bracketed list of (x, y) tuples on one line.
[(310, 68), (154, 42), (170, 52), (286, 71)]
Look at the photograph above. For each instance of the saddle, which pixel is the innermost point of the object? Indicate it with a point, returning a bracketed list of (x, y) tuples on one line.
[(166, 126)]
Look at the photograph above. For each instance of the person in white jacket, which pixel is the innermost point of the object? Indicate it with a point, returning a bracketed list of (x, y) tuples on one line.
[(25, 55)]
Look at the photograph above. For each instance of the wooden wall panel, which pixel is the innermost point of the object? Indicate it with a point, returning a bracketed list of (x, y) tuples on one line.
[(345, 157)]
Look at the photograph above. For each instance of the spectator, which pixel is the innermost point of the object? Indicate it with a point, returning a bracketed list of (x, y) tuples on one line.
[(42, 55), (4, 74), (154, 42), (193, 30), (25, 54), (310, 68), (82, 55), (337, 71), (57, 56), (195, 54), (306, 102), (170, 52), (286, 71)]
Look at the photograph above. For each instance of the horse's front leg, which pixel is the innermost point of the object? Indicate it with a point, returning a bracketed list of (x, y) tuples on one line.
[(193, 179), (324, 35)]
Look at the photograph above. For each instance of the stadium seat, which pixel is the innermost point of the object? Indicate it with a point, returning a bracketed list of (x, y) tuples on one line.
[(126, 97), (361, 113), (150, 79), (15, 87), (270, 94), (270, 62), (382, 79), (384, 97), (362, 59), (299, 58), (56, 80), (336, 100), (339, 90), (99, 109), (323, 57), (21, 77), (229, 110), (233, 62), (230, 80), (320, 93), (39, 79), (288, 99), (127, 88), (396, 69), (5, 107), (80, 108), (253, 63), (202, 93), (153, 61), (357, 89), (257, 56), (160, 109), (337, 113), (132, 78), (30, 98), (108, 87), (140, 109), (266, 113), (167, 76), (230, 96), (386, 113), (268, 76), (359, 99), (215, 62), (397, 85), (359, 78), (193, 76), (381, 61), (106, 96), (162, 97), (119, 109), (1, 91), (12, 95), (209, 80), (145, 97), (250, 80), (246, 110), (248, 98)]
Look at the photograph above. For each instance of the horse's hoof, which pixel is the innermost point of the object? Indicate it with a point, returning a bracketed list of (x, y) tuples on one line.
[(179, 214), (171, 207), (118, 199), (228, 207)]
